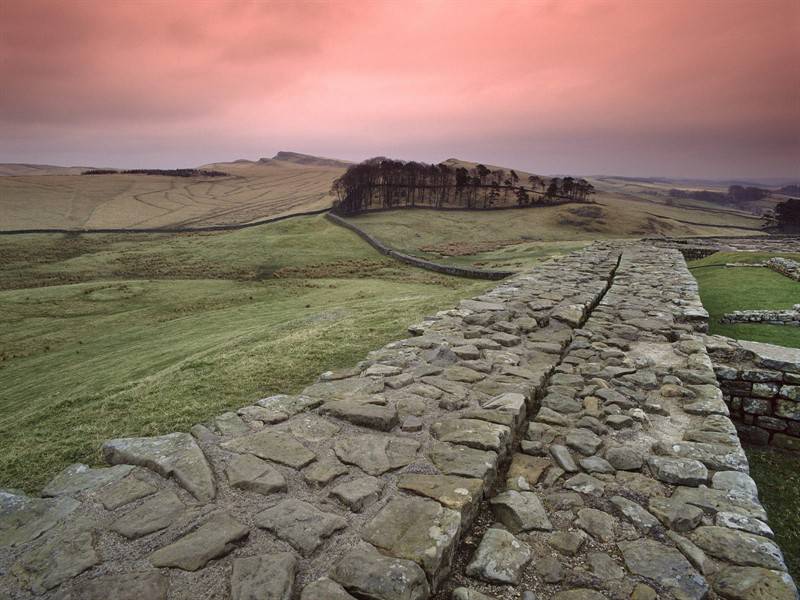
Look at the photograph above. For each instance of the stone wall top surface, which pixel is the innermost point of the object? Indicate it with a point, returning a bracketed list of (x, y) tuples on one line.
[(562, 433)]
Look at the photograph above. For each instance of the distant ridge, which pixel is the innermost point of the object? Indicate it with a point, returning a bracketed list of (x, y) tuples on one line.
[(307, 159), (23, 169)]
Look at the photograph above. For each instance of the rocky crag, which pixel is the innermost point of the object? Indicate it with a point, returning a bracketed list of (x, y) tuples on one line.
[(563, 436)]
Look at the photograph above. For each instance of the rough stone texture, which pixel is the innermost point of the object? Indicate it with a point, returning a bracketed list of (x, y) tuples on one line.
[(376, 454), (138, 585), (358, 493), (210, 540), (368, 573), (248, 472), (59, 558), (174, 454), (521, 511), (155, 513), (416, 529), (300, 524), (78, 478), (664, 565), (267, 577), (124, 492), (276, 446), (499, 558), (754, 583), (760, 387)]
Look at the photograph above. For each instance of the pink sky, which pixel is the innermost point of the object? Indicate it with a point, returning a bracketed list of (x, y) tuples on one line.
[(641, 87)]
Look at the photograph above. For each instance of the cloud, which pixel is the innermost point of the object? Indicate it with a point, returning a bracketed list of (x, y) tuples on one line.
[(571, 85)]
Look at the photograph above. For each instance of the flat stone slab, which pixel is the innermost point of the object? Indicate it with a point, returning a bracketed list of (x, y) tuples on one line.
[(248, 472), (62, 556), (376, 454), (300, 524), (520, 511), (323, 472), (138, 585), (358, 493), (713, 501), (266, 577), (455, 459), (343, 388), (79, 478), (325, 588), (473, 433), (457, 493), (367, 573), (276, 446), (525, 471), (174, 454), (194, 550), (23, 518), (154, 514), (311, 428), (289, 405), (499, 558), (374, 416), (739, 547), (124, 492), (678, 471), (664, 565), (754, 583), (416, 529)]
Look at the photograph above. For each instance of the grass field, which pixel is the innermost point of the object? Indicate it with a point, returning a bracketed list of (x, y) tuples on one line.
[(778, 482), (515, 238), (725, 289), (255, 190), (111, 335)]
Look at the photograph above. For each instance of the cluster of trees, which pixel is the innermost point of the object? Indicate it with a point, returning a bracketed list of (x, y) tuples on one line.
[(736, 195), (786, 216), (386, 183), (167, 172)]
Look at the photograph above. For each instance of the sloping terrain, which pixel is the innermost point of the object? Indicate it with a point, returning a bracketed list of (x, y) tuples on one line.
[(286, 184)]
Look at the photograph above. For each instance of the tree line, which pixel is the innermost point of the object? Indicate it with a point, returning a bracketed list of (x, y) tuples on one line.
[(381, 183), (785, 217), (736, 195), (166, 172)]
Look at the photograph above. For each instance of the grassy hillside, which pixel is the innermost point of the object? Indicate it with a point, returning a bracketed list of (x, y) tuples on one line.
[(142, 335), (725, 289), (255, 190), (514, 238)]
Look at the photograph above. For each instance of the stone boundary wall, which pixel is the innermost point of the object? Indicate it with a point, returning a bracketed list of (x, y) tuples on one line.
[(785, 266), (561, 434), (761, 386), (772, 317), (416, 261), (204, 228)]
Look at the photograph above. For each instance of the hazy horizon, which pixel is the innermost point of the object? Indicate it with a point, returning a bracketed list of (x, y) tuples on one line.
[(694, 90)]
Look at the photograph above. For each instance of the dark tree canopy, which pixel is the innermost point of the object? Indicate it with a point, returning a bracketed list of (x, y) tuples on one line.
[(787, 215), (380, 183)]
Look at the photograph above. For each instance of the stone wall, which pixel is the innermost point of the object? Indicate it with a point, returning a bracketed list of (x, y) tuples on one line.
[(562, 434), (784, 266), (415, 260), (789, 317), (761, 386)]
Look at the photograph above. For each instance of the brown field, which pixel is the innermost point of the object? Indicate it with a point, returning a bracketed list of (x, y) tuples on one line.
[(255, 190)]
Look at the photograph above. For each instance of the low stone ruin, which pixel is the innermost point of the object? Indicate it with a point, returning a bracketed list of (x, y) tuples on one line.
[(790, 317), (785, 266), (761, 386), (563, 435)]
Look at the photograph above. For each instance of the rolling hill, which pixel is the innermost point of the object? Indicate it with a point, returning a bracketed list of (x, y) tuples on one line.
[(285, 184)]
